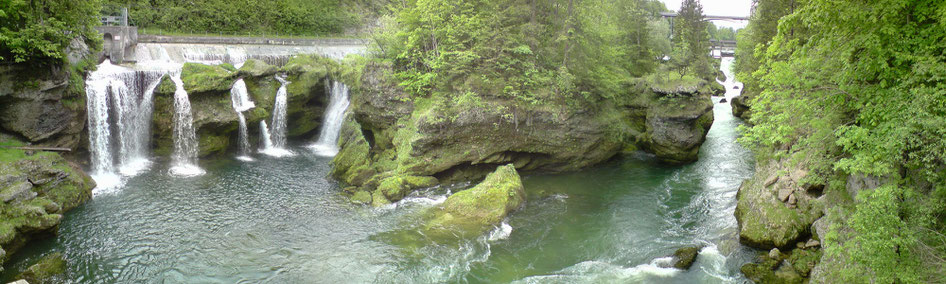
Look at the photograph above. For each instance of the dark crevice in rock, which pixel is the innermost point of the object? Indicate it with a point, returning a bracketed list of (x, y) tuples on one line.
[(465, 172), (369, 137)]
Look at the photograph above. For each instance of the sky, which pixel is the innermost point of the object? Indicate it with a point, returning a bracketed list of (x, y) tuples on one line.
[(719, 8)]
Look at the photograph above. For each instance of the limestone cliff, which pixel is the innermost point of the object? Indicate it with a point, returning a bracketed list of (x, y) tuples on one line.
[(389, 135)]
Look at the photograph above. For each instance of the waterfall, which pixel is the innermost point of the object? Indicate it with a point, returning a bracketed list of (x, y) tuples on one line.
[(279, 116), (120, 103), (264, 142), (184, 158), (327, 145), (240, 99), (274, 140)]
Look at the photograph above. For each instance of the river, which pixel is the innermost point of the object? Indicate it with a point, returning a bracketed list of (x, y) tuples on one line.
[(281, 220)]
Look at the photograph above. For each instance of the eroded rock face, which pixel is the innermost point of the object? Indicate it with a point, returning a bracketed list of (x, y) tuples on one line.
[(464, 137), (41, 107), (776, 212), (676, 136), (36, 189)]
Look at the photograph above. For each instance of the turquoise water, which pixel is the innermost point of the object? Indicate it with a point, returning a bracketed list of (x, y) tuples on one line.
[(280, 220)]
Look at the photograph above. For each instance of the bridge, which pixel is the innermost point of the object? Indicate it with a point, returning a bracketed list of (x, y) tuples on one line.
[(708, 17), (724, 48), (719, 48)]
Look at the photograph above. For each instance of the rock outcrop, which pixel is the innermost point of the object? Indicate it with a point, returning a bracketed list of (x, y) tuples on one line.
[(683, 258), (476, 210), (776, 207), (49, 269), (35, 190), (215, 121), (42, 107), (388, 133), (740, 106)]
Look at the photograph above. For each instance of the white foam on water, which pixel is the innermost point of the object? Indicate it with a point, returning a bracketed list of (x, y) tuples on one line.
[(277, 152), (422, 200), (186, 170), (106, 183), (135, 167), (501, 232), (324, 150)]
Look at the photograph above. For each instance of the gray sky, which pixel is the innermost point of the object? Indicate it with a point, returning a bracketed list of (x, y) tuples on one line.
[(719, 8)]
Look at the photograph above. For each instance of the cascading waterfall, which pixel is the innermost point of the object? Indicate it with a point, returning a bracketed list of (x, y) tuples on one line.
[(120, 103), (264, 140), (274, 140), (332, 124), (240, 99), (184, 158), (279, 116)]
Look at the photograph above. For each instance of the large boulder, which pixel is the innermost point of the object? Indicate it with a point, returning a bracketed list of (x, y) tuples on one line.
[(740, 106), (678, 129), (37, 189), (474, 211), (49, 269), (772, 209)]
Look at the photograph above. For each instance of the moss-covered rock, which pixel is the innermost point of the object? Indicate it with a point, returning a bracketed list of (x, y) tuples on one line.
[(361, 197), (200, 78), (683, 258), (740, 107), (791, 269), (474, 211), (256, 68), (765, 213), (37, 189), (49, 269), (216, 122), (463, 137), (44, 107)]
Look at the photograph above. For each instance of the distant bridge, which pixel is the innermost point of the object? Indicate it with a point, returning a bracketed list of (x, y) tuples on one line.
[(723, 48), (719, 48), (708, 17)]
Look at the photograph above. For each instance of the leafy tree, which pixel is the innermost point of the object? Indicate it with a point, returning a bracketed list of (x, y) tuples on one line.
[(691, 41), (38, 31), (860, 89), (532, 50), (255, 17)]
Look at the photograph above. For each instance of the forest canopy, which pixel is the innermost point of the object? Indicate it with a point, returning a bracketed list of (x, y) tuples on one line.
[(38, 33), (532, 50), (249, 17)]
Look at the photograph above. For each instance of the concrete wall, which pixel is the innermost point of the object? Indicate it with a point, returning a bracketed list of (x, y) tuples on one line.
[(249, 40), (118, 41)]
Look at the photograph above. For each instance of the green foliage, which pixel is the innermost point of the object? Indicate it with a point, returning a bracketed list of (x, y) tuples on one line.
[(530, 50), (691, 41), (720, 33), (38, 32), (296, 17), (859, 89)]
